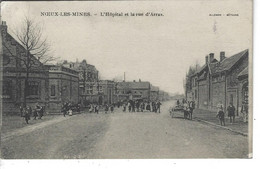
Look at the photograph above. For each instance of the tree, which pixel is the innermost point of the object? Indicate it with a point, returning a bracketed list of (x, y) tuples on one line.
[(36, 48)]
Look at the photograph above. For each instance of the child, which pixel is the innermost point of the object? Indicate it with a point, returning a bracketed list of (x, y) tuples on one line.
[(221, 116)]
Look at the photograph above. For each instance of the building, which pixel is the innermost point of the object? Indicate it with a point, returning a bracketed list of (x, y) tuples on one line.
[(220, 82), (14, 76), (132, 91), (99, 92), (154, 95), (63, 87)]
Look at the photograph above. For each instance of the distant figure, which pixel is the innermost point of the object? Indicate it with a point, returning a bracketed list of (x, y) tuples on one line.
[(26, 112), (129, 106), (178, 102), (106, 108), (112, 108), (159, 106), (244, 111), (231, 113), (97, 108), (221, 116), (192, 107), (124, 107)]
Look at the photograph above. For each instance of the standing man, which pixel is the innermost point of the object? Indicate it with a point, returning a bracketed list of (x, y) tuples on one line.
[(192, 107), (231, 113), (159, 106), (221, 116)]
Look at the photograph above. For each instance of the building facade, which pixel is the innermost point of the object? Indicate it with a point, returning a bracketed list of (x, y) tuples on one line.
[(132, 91), (14, 75), (63, 87), (220, 82)]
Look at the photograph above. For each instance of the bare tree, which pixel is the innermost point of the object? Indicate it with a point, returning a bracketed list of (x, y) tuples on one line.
[(36, 48)]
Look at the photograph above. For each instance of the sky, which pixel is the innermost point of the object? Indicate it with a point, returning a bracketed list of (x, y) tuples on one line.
[(155, 49)]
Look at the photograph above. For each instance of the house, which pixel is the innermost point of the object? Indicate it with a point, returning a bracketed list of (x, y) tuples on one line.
[(220, 82), (14, 75), (132, 90)]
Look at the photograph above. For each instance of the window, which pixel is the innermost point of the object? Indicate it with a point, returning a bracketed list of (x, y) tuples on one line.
[(7, 89), (90, 90), (33, 88), (53, 93)]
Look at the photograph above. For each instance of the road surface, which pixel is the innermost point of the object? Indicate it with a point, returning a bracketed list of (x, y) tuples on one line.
[(125, 135)]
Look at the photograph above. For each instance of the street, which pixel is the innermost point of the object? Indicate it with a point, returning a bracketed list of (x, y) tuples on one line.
[(126, 135)]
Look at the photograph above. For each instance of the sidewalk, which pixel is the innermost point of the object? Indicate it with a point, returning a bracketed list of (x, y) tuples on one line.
[(210, 117)]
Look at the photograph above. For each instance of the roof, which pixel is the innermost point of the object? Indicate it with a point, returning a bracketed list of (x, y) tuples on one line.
[(224, 65), (154, 88), (229, 62), (243, 72), (134, 85)]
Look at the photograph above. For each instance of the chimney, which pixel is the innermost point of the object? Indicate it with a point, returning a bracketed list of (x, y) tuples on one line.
[(133, 80), (206, 59), (3, 27), (222, 56), (211, 57)]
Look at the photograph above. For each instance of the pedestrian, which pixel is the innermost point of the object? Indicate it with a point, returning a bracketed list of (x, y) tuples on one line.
[(148, 107), (21, 110), (192, 107), (106, 108), (124, 107), (159, 106), (231, 113), (221, 116), (244, 111), (129, 106), (112, 108), (97, 108), (26, 114), (64, 109)]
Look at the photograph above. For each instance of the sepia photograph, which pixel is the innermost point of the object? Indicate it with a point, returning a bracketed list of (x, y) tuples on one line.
[(126, 79)]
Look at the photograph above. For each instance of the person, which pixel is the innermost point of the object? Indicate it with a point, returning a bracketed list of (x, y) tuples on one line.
[(112, 108), (148, 107), (106, 108), (129, 106), (221, 116), (231, 113), (178, 102), (186, 110), (90, 108), (159, 106), (192, 107), (124, 107), (26, 112), (244, 111), (64, 109), (97, 108), (21, 110)]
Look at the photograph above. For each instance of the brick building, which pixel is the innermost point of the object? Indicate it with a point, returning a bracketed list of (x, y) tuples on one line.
[(14, 74), (132, 90), (63, 87), (99, 92), (220, 82)]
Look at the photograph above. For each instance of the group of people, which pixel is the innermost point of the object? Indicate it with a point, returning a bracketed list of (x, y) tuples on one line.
[(94, 108), (141, 106), (26, 112), (68, 108), (221, 114), (188, 107)]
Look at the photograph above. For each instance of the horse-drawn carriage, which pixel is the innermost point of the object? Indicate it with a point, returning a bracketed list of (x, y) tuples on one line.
[(187, 110)]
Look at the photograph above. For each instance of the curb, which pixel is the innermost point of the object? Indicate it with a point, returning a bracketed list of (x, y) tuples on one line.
[(213, 124)]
